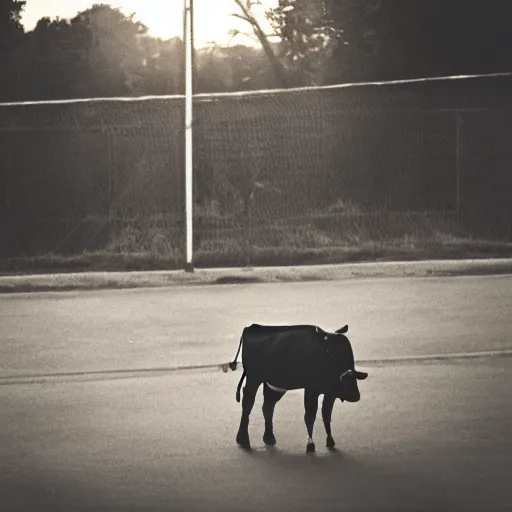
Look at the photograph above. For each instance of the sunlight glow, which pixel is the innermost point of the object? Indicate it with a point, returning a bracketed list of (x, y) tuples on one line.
[(164, 18)]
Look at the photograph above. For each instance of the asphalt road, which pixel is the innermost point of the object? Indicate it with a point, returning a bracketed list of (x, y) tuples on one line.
[(430, 436), (147, 328), (423, 437)]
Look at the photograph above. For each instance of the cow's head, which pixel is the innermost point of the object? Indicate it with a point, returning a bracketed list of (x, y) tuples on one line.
[(349, 390), (340, 355)]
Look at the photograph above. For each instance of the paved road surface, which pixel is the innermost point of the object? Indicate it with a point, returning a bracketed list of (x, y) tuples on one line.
[(428, 436), (91, 331), (424, 437)]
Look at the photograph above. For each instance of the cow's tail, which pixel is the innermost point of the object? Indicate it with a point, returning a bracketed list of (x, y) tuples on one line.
[(239, 387), (233, 364)]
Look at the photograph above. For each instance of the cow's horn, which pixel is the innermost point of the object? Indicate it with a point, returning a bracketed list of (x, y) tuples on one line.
[(348, 372)]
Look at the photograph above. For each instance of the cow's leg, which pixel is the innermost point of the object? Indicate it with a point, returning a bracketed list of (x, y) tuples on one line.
[(311, 408), (270, 399), (327, 405), (250, 390)]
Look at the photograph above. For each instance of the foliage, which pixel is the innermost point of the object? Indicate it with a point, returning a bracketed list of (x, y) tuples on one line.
[(97, 53), (280, 72), (11, 36), (161, 69), (10, 18), (308, 37), (103, 52), (397, 39), (232, 68)]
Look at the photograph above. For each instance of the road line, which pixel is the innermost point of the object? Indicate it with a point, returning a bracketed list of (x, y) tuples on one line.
[(155, 372), (435, 357)]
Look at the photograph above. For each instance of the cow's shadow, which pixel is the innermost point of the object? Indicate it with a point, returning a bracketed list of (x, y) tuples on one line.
[(342, 475), (276, 456)]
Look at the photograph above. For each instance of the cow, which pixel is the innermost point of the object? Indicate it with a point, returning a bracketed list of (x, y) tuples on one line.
[(284, 358)]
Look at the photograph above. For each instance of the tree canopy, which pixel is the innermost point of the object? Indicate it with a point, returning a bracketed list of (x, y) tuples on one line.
[(11, 36), (10, 20), (396, 39), (103, 52)]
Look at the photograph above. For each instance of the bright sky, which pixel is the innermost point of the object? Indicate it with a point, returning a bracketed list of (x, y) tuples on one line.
[(164, 18)]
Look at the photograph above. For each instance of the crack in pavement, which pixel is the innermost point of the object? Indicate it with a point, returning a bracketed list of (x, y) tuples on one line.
[(116, 374)]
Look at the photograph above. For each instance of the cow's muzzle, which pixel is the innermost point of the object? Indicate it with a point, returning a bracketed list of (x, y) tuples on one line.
[(355, 397)]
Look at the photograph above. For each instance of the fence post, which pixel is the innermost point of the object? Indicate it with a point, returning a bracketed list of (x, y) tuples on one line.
[(248, 232), (5, 208), (110, 177), (458, 128)]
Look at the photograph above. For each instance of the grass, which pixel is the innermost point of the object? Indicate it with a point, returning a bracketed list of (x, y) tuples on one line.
[(407, 249), (150, 245)]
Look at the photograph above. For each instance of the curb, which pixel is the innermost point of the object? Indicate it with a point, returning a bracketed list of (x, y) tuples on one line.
[(230, 276)]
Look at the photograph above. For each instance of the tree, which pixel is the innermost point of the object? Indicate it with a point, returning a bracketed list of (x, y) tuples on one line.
[(100, 52), (308, 37), (162, 71), (232, 68), (280, 71), (114, 53), (397, 39), (11, 37), (10, 22), (51, 62)]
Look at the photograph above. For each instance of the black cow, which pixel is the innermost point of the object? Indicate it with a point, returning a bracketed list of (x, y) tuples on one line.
[(284, 358)]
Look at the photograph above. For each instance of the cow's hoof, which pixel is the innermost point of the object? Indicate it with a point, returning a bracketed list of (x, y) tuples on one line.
[(269, 439), (310, 448), (242, 439), (330, 442)]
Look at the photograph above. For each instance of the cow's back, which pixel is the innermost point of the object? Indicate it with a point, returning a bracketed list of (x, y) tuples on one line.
[(285, 356)]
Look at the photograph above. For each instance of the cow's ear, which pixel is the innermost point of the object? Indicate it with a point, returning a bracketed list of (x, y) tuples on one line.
[(343, 330)]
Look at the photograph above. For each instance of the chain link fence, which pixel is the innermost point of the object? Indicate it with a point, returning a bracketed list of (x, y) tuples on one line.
[(276, 175)]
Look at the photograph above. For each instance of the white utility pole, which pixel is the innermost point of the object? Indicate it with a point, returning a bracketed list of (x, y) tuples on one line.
[(189, 55)]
